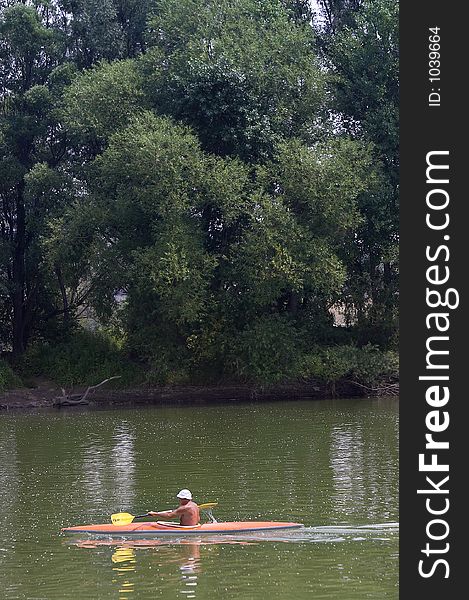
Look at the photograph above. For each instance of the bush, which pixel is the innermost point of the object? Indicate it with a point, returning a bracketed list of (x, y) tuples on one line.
[(373, 365), (267, 351), (164, 369), (368, 365), (85, 358), (329, 364), (8, 379)]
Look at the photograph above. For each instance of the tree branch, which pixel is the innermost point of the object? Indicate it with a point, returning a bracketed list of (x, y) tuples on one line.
[(93, 387)]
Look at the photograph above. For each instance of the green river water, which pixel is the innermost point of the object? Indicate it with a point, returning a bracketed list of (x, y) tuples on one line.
[(332, 465)]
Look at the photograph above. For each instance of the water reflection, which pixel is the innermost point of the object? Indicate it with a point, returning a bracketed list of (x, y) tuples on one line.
[(124, 555), (9, 475), (320, 463), (108, 468), (94, 471), (364, 471), (189, 568), (347, 466), (183, 556), (124, 560), (180, 562), (123, 463)]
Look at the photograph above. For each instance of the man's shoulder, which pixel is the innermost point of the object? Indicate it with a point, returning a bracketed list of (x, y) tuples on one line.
[(187, 506)]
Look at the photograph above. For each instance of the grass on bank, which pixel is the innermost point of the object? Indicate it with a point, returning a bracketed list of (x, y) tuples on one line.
[(88, 358), (8, 378), (85, 358)]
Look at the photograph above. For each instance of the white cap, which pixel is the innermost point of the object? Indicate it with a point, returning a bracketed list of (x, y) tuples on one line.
[(185, 494)]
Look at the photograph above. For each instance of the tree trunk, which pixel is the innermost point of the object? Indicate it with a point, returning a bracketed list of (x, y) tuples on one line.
[(19, 276), (63, 293), (293, 301)]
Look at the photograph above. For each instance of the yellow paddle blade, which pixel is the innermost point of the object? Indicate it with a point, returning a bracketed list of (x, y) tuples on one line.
[(122, 518), (208, 505)]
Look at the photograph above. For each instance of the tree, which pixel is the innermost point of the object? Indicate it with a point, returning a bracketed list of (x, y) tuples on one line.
[(29, 136), (98, 103), (198, 177), (242, 73), (337, 14), (363, 57), (104, 29), (152, 188), (41, 44)]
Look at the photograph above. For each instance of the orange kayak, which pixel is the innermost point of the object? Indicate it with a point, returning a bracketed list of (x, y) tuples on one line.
[(167, 528)]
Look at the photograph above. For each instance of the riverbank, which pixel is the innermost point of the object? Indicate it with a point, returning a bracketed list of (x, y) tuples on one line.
[(48, 395)]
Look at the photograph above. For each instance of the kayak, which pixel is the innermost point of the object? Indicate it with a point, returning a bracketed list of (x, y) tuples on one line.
[(161, 528)]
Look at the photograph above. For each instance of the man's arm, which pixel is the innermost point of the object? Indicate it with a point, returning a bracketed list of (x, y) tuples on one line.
[(168, 514)]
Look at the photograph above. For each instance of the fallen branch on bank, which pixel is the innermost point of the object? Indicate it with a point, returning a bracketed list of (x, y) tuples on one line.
[(79, 399), (384, 389)]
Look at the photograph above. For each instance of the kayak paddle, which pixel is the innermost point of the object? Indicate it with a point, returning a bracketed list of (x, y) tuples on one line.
[(124, 518)]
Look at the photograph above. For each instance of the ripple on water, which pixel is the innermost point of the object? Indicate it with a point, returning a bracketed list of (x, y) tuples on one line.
[(328, 463)]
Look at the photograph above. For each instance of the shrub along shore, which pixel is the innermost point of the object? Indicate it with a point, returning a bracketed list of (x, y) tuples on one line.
[(60, 375)]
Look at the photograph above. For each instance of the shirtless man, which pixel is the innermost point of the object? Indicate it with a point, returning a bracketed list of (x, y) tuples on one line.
[(187, 511)]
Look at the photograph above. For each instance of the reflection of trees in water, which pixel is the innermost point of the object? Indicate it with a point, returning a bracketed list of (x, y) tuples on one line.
[(123, 462), (363, 468), (9, 475), (182, 558), (347, 468), (285, 455), (184, 555), (286, 461), (108, 468)]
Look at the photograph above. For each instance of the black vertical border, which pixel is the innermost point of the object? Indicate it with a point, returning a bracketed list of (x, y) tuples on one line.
[(425, 128)]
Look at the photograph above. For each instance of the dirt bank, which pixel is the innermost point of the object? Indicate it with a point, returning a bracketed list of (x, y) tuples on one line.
[(48, 395)]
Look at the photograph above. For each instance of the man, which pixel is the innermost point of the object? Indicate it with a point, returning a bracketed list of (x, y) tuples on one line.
[(187, 511)]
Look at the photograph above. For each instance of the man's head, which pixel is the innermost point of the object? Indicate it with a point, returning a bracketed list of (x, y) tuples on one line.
[(184, 496)]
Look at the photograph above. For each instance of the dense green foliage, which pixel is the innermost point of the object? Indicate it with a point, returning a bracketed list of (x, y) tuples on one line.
[(367, 366), (86, 358), (362, 53), (206, 181), (8, 379)]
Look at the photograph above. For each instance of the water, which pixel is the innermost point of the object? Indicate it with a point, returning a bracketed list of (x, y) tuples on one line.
[(332, 465)]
